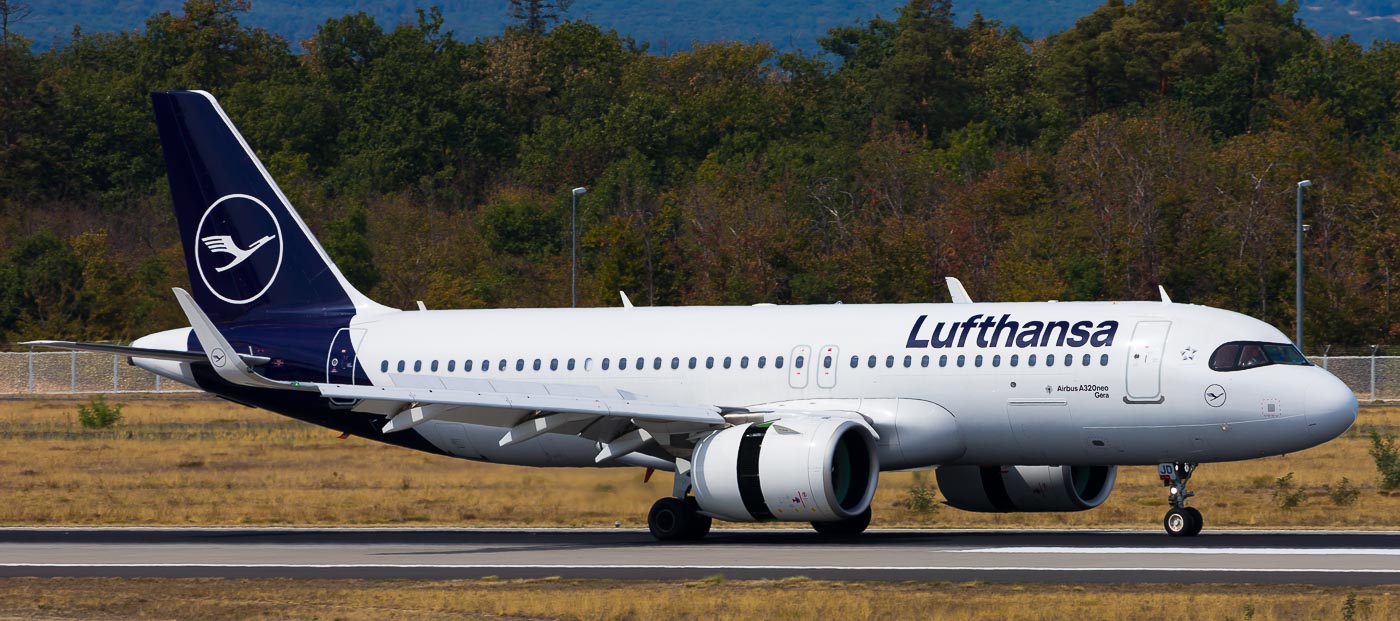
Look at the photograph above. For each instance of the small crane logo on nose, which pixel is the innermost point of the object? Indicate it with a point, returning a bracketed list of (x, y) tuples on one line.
[(1215, 395)]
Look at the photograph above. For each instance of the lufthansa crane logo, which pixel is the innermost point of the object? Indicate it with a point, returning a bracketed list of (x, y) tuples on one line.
[(238, 249), (1215, 395)]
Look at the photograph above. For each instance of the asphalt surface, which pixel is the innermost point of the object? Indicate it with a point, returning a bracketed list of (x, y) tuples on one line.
[(1079, 556)]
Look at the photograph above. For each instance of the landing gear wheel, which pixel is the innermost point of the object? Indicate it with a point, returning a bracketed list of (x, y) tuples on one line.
[(1181, 523), (849, 527), (699, 524), (673, 519)]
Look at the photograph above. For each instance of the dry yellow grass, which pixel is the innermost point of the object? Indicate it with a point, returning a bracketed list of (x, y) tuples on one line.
[(200, 461), (111, 598)]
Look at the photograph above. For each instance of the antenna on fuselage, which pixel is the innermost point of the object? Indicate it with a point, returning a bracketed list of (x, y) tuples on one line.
[(626, 303), (957, 292), (1163, 290)]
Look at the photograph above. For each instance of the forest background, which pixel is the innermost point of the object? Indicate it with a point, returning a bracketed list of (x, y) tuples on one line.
[(1157, 142)]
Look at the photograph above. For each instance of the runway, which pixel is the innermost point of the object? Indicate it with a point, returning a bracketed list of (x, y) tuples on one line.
[(1078, 556)]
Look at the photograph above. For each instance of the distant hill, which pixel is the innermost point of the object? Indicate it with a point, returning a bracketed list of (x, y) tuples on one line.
[(667, 25)]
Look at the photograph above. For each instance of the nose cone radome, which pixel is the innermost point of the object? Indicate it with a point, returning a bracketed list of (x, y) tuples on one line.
[(1331, 407)]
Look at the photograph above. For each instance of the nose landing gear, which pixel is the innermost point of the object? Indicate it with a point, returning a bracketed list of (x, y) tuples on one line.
[(1181, 520)]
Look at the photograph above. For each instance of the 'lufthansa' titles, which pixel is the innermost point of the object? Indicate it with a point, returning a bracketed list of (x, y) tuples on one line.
[(989, 331)]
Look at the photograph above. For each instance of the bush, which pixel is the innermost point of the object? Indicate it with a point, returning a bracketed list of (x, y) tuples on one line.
[(1387, 458), (1286, 492), (921, 498), (1344, 494), (97, 414)]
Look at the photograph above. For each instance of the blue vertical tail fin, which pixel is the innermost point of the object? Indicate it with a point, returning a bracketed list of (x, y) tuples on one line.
[(250, 256)]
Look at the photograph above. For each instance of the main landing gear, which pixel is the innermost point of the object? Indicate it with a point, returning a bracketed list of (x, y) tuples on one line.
[(677, 518), (1181, 520)]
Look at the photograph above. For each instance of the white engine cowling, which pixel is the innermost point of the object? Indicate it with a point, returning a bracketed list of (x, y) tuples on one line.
[(798, 469), (1004, 489)]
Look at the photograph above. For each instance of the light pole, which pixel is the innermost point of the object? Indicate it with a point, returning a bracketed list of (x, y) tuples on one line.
[(1298, 289), (573, 246)]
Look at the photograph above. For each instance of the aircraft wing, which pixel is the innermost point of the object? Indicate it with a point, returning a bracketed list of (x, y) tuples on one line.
[(621, 422)]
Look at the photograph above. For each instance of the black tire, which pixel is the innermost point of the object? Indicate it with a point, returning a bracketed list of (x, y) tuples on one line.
[(669, 519), (849, 527), (1180, 522), (1197, 521), (699, 524)]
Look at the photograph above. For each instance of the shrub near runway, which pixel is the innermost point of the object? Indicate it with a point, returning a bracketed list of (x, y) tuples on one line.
[(208, 462)]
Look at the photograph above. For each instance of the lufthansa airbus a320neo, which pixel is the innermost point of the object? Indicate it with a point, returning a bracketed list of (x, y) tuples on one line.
[(763, 413)]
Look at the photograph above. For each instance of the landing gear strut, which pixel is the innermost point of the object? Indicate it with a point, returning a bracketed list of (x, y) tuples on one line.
[(1181, 520)]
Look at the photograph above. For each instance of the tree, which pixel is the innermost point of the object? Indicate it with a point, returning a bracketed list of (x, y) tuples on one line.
[(535, 15)]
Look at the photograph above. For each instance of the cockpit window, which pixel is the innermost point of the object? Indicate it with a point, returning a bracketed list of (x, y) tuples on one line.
[(1247, 355)]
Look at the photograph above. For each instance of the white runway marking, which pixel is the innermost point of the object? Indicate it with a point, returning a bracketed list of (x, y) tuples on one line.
[(1226, 551)]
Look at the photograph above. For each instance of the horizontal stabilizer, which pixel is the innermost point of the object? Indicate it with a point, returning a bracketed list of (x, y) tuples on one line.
[(142, 352)]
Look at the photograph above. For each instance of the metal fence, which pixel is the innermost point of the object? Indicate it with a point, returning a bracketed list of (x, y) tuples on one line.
[(1372, 378), (71, 373)]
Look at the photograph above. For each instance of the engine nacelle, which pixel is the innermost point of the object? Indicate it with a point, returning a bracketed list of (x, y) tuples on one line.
[(798, 469), (1005, 489)]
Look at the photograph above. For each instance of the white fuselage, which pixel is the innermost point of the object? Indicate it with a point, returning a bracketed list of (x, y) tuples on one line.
[(1140, 399)]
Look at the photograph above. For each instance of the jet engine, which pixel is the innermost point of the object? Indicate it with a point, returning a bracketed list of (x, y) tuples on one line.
[(800, 469), (1004, 489)]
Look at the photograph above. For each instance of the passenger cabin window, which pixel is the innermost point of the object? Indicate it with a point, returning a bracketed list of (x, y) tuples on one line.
[(641, 363), (799, 361), (889, 362), (871, 362), (605, 364), (434, 366), (996, 360), (727, 360), (466, 366), (519, 364), (621, 364), (744, 362), (709, 362), (778, 362), (1049, 360), (962, 360), (675, 363), (1087, 360), (1103, 360), (553, 364), (977, 362), (1069, 360), (923, 362), (943, 360), (1238, 356), (571, 364), (502, 366), (384, 367), (855, 361), (1015, 359), (692, 362), (417, 366), (1030, 360), (908, 361), (537, 365), (762, 360), (451, 366), (656, 364), (826, 362), (400, 366)]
